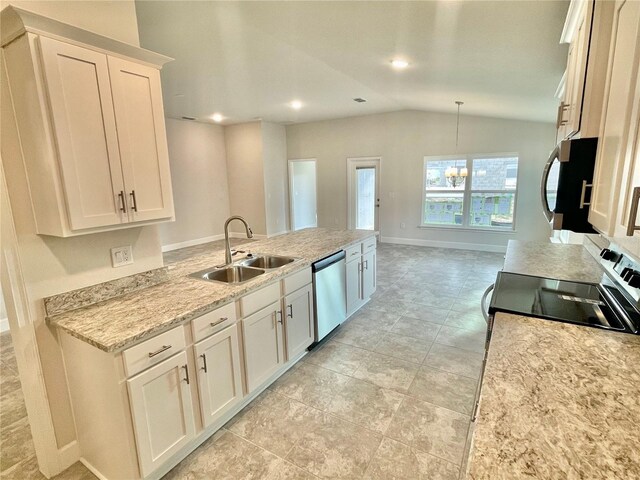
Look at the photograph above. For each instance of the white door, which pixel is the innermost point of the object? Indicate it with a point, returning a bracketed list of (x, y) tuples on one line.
[(219, 379), (162, 412), (302, 193), (616, 126), (79, 92), (263, 345), (364, 193), (368, 274), (299, 321), (137, 100), (353, 287)]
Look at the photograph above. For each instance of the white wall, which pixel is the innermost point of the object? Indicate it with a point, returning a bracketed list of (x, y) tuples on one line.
[(54, 265), (199, 177), (245, 174), (274, 145), (402, 139)]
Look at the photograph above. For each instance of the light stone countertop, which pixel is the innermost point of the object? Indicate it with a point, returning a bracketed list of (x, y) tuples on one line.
[(115, 324), (559, 401), (552, 260)]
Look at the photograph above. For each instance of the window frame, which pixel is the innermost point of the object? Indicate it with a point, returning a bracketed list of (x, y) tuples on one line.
[(468, 190)]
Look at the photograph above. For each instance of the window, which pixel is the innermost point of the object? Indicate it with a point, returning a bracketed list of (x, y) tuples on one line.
[(483, 195)]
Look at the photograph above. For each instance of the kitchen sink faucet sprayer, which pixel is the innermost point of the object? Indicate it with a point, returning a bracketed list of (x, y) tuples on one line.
[(228, 258)]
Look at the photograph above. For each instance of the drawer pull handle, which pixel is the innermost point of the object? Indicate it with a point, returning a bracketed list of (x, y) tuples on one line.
[(279, 313), (633, 213), (204, 362), (218, 322), (186, 372), (290, 308), (163, 348)]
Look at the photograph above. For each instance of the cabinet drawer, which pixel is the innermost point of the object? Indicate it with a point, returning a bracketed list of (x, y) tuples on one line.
[(153, 351), (297, 280), (213, 321), (253, 302), (368, 245), (353, 252)]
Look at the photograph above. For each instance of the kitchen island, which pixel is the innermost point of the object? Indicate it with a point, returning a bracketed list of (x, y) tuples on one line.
[(558, 401), (153, 372)]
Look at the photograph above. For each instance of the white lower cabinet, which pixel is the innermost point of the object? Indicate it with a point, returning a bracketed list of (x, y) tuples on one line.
[(162, 411), (299, 321), (263, 344), (354, 298), (361, 274), (219, 378), (368, 274)]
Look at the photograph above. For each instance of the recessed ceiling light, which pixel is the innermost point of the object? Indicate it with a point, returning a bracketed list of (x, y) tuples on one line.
[(399, 64), (296, 104), (217, 117)]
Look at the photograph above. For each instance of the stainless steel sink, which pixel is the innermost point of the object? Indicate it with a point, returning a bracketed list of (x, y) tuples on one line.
[(267, 261), (232, 274)]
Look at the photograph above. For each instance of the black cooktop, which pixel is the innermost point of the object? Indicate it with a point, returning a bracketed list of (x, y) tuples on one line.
[(594, 305)]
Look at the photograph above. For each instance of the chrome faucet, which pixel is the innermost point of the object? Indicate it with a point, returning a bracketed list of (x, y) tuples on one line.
[(228, 257)]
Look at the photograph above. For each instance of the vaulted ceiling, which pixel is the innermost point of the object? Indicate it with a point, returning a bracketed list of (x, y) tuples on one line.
[(249, 60)]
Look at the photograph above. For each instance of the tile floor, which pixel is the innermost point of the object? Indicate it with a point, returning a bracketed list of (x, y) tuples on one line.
[(388, 395)]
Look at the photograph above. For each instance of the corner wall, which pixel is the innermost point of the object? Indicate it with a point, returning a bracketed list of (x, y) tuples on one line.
[(197, 156), (402, 139)]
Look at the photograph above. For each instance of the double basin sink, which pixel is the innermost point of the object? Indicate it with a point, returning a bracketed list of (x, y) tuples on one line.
[(243, 270)]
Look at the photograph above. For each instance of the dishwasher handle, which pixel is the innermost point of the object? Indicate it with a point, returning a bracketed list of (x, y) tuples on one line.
[(328, 261)]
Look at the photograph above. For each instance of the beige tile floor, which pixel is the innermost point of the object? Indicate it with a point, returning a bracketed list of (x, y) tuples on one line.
[(388, 395)]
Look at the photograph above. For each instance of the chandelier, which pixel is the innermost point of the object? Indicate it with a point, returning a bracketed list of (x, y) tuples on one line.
[(456, 177)]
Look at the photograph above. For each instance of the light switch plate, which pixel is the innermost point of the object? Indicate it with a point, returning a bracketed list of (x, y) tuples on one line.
[(121, 256)]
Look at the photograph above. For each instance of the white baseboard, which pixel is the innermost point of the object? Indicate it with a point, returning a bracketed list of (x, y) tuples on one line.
[(4, 325), (482, 247), (191, 243), (277, 234), (69, 454)]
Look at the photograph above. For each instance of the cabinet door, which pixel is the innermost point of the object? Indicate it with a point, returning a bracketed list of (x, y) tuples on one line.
[(577, 70), (299, 321), (137, 100), (616, 127), (219, 380), (162, 411), (263, 345), (354, 288), (81, 108), (368, 274)]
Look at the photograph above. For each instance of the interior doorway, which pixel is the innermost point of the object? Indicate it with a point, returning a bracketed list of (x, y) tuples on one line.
[(363, 176), (303, 193)]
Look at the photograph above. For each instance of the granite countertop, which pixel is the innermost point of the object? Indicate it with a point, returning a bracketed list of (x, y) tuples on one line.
[(117, 323), (559, 401), (552, 260)]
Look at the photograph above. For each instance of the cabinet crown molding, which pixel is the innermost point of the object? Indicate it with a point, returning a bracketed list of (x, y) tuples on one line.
[(15, 22), (576, 10)]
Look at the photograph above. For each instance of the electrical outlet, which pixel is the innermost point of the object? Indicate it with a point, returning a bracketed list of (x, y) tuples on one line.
[(403, 225), (121, 256)]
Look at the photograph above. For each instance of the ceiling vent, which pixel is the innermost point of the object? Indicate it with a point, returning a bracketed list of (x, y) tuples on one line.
[(188, 118), (359, 100)]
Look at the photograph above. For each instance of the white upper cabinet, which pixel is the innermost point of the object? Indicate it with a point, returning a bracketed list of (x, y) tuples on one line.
[(137, 100), (587, 30), (90, 118), (84, 127), (615, 171)]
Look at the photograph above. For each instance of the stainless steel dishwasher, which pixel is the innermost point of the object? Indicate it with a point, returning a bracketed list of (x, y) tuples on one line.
[(329, 293)]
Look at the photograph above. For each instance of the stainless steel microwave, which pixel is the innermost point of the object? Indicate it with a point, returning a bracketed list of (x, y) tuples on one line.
[(567, 181)]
